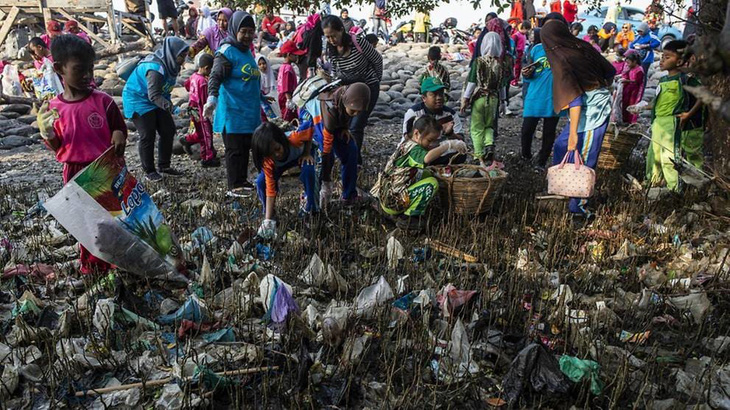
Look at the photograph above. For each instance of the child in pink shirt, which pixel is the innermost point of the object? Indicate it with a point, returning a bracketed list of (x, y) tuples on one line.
[(633, 93), (202, 129), (287, 80), (72, 27), (520, 40), (82, 123)]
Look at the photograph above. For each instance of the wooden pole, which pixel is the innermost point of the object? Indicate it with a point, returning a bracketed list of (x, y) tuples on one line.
[(85, 29), (154, 383), (8, 24), (111, 22), (441, 247)]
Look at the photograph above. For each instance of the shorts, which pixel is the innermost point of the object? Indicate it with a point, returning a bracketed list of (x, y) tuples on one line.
[(167, 9)]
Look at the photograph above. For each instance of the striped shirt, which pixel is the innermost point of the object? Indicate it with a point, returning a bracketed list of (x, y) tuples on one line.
[(361, 65)]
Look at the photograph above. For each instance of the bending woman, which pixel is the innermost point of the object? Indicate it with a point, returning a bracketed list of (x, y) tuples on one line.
[(582, 90), (213, 36), (327, 118)]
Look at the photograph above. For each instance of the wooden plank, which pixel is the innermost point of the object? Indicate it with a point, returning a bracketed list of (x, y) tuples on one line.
[(111, 23), (86, 29), (134, 30), (2, 15), (8, 24), (45, 11)]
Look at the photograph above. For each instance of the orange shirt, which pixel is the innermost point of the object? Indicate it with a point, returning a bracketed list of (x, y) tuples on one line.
[(297, 139), (624, 39)]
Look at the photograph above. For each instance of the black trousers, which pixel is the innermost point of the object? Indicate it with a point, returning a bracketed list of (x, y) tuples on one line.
[(238, 147), (157, 121), (549, 128), (358, 123)]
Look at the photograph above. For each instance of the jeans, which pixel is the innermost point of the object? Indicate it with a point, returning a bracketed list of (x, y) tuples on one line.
[(347, 153), (358, 123), (379, 26), (307, 176), (589, 147), (157, 121), (646, 66), (549, 128), (237, 153)]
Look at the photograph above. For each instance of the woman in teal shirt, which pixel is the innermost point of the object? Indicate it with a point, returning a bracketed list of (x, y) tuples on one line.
[(146, 99), (234, 94), (539, 105)]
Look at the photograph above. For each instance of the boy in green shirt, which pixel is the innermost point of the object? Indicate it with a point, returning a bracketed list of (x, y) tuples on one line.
[(677, 121), (405, 187)]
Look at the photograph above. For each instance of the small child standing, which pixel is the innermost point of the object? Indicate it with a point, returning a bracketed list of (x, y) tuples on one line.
[(520, 39), (406, 187), (677, 126), (287, 81), (619, 63), (82, 123), (482, 93), (633, 90), (436, 69), (201, 131)]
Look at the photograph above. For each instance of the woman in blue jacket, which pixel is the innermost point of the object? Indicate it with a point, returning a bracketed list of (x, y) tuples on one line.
[(234, 94), (539, 105), (146, 98), (645, 43)]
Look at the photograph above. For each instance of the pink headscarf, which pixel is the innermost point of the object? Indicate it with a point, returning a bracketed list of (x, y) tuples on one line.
[(214, 35), (495, 26)]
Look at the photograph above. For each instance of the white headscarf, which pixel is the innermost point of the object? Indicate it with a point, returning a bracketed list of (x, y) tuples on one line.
[(491, 45), (205, 20), (268, 81)]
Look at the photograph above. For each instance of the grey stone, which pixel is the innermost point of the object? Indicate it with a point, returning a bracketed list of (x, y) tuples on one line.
[(23, 130), (394, 94), (410, 91), (27, 119), (383, 97), (384, 87), (21, 109), (455, 95), (397, 87), (14, 141)]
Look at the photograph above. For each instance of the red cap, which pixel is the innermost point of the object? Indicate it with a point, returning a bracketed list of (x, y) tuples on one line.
[(290, 47), (53, 26), (71, 24)]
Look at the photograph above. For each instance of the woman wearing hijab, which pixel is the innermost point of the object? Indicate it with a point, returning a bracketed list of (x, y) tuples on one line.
[(354, 62), (191, 25), (234, 94), (213, 36), (205, 21), (581, 77), (538, 77), (146, 98), (482, 93), (328, 118)]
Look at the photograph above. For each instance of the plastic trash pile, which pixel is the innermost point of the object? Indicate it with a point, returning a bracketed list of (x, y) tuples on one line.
[(499, 314)]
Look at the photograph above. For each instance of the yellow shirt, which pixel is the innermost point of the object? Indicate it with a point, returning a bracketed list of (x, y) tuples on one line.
[(422, 21)]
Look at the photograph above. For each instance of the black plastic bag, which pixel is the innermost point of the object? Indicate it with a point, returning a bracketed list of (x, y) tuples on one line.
[(535, 369)]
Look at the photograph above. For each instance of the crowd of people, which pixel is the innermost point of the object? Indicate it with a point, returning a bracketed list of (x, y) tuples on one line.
[(231, 94)]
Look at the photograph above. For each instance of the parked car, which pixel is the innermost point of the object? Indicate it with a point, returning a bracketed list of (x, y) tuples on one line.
[(631, 15)]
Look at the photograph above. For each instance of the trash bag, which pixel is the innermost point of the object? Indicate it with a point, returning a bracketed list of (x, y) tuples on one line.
[(46, 82), (276, 295), (111, 214), (394, 251), (696, 302), (193, 309), (450, 298), (534, 370), (11, 81), (372, 296), (577, 370)]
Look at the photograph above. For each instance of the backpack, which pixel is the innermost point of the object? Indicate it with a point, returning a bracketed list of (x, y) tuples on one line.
[(311, 88), (126, 67)]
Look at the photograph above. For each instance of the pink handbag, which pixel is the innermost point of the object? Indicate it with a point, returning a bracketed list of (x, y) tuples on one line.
[(572, 181)]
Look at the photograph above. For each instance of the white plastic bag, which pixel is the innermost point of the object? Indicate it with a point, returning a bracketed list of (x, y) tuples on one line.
[(373, 296), (11, 81), (46, 82)]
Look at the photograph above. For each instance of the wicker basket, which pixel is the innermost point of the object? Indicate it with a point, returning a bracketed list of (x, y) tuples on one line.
[(616, 148), (468, 196)]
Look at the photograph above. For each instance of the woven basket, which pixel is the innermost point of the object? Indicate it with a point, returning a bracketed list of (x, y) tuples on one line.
[(468, 196), (616, 148)]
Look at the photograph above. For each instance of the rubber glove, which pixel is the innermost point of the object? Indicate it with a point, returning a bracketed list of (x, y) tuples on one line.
[(209, 107), (267, 230), (325, 194), (46, 118)]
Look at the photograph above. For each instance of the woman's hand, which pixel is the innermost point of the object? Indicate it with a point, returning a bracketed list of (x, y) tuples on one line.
[(306, 159), (572, 141), (464, 104)]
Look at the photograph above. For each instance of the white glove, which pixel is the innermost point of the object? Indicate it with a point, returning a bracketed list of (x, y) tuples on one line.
[(46, 118), (290, 105), (635, 109), (209, 107), (267, 230), (325, 194), (454, 146)]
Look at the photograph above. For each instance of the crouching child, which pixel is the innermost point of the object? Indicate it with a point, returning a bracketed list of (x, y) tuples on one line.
[(273, 153), (405, 188)]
